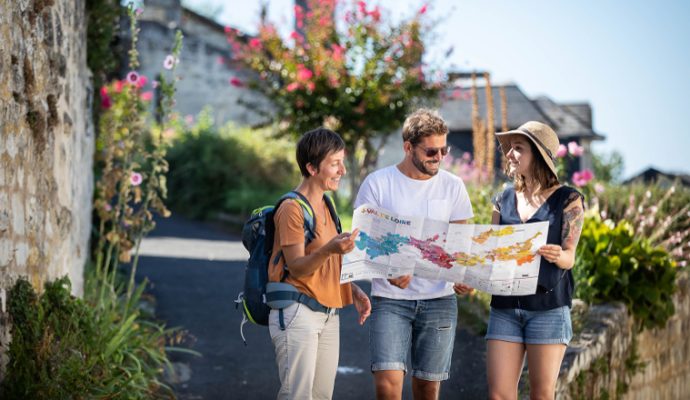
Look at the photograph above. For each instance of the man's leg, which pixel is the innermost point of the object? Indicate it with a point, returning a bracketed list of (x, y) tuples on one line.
[(389, 384), (428, 390), (432, 345), (390, 333)]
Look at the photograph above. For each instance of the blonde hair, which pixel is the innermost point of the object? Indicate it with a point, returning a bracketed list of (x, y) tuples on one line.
[(422, 123)]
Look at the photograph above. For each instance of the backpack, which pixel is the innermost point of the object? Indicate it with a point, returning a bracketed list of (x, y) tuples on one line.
[(257, 237)]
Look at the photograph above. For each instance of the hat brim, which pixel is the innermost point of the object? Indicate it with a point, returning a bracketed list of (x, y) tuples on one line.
[(504, 141)]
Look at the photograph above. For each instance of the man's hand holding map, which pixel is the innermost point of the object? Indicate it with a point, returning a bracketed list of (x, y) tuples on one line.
[(498, 259)]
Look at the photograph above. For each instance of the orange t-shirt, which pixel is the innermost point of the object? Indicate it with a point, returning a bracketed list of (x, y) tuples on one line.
[(323, 285)]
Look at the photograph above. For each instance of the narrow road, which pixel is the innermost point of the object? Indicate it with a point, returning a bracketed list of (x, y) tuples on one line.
[(195, 272)]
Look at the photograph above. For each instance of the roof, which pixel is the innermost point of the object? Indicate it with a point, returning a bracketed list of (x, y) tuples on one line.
[(653, 175), (570, 121)]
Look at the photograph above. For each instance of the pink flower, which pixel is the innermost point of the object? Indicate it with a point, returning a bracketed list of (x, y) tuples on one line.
[(295, 36), (107, 207), (375, 14), (106, 102), (581, 178), (118, 86), (337, 53), (155, 84), (132, 77), (142, 81), (146, 96), (362, 7), (139, 11), (255, 43), (599, 188), (189, 119), (292, 87), (236, 82), (311, 86), (135, 179), (423, 9), (303, 73), (562, 151), (575, 149), (169, 61)]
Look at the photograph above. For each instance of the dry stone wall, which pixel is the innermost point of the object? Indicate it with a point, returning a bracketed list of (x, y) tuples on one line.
[(610, 359), (46, 145)]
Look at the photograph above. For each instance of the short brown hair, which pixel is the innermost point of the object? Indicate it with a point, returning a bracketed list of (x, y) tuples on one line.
[(422, 123), (314, 146)]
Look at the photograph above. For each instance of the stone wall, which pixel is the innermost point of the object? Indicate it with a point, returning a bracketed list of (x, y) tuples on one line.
[(46, 145), (610, 358)]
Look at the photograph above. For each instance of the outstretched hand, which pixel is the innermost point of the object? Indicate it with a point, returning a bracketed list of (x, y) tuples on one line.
[(402, 281), (343, 243), (462, 289)]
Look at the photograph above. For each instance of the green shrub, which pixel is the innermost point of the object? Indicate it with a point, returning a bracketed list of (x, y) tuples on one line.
[(233, 170), (613, 264), (66, 348)]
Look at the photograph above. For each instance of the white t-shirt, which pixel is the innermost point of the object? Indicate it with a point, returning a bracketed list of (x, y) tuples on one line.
[(442, 197)]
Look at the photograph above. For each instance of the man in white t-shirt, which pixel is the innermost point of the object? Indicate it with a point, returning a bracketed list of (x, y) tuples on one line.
[(408, 313)]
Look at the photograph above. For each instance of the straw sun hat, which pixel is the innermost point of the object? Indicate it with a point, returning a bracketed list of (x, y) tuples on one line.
[(543, 137)]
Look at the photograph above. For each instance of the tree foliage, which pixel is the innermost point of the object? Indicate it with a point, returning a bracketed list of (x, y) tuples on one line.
[(343, 67)]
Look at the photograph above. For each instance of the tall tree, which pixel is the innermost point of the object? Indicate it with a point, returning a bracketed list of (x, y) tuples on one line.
[(356, 74)]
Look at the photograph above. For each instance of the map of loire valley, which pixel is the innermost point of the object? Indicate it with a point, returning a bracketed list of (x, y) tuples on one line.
[(498, 259)]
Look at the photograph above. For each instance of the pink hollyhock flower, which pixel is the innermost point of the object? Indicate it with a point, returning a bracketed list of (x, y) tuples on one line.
[(303, 73), (118, 86), (106, 102), (362, 7), (423, 9), (295, 36), (169, 61), (562, 151), (142, 81), (292, 87), (255, 43), (236, 82), (146, 96), (581, 178), (132, 77), (311, 86), (575, 149), (135, 179)]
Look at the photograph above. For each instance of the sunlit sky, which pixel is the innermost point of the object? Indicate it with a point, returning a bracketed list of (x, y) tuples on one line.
[(630, 59)]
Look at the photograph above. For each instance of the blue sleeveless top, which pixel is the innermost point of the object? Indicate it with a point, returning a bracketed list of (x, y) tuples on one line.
[(555, 285)]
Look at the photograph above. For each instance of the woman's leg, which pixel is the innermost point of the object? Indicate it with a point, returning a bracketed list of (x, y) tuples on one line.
[(504, 362), (327, 358), (544, 362)]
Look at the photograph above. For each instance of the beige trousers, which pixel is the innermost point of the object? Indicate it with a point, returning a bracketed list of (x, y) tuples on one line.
[(306, 352)]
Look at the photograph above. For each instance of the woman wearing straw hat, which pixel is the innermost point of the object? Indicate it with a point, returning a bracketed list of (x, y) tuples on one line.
[(537, 325)]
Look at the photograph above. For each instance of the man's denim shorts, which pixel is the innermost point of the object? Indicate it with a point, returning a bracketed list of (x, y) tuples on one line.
[(530, 327), (425, 328)]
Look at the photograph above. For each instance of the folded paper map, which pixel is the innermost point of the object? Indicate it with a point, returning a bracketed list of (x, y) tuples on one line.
[(498, 259)]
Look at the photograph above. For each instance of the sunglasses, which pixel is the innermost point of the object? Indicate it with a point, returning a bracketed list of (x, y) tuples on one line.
[(432, 151)]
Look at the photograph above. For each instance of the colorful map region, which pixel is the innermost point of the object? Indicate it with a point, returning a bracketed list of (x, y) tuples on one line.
[(433, 252), (383, 246), (483, 237), (520, 252), (390, 243)]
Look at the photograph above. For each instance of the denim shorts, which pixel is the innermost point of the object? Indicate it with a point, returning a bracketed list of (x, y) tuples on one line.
[(530, 327), (423, 328)]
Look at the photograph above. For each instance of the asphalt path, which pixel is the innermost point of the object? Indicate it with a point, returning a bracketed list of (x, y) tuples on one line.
[(195, 272)]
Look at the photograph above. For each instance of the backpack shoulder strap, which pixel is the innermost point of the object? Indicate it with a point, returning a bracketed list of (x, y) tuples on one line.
[(333, 212)]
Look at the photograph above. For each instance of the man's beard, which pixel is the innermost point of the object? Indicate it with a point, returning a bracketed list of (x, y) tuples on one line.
[(422, 167)]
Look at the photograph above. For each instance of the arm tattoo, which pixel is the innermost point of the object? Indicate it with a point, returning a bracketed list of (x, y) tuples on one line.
[(572, 227)]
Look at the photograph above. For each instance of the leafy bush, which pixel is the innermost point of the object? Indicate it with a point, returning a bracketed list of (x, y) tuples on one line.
[(64, 348), (614, 264), (233, 170)]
